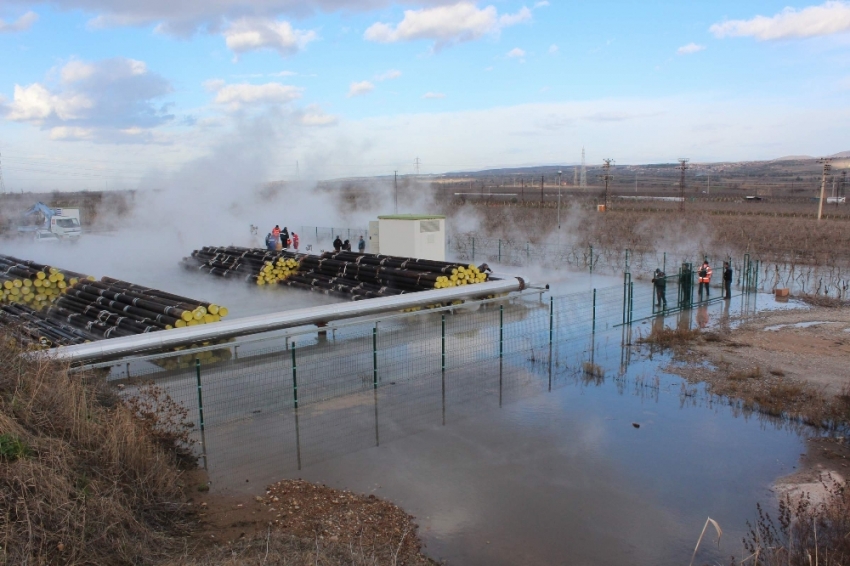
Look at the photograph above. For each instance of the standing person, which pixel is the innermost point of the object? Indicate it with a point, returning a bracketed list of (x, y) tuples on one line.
[(276, 231), (704, 275), (361, 245), (337, 244), (284, 237), (659, 280), (270, 242), (727, 280), (295, 241), (347, 245)]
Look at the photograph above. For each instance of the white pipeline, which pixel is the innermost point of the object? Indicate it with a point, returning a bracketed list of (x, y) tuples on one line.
[(168, 339)]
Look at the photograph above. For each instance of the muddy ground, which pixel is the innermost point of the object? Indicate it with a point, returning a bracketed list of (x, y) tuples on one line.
[(790, 363), (297, 522)]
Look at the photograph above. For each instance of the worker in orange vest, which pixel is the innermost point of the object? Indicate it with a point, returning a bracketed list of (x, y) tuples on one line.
[(704, 275)]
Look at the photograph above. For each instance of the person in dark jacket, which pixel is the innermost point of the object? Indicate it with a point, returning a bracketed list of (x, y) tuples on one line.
[(659, 281), (361, 245), (284, 237), (270, 242), (337, 244), (346, 246), (727, 280)]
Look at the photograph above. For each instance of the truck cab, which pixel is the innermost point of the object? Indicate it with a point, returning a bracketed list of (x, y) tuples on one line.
[(66, 225)]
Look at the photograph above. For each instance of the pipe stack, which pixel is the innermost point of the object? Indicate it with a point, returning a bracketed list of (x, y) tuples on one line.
[(51, 306), (352, 275), (36, 285)]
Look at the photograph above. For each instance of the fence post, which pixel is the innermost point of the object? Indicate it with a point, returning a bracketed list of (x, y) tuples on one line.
[(501, 346), (627, 259), (201, 410), (294, 377), (473, 249), (631, 299), (594, 311), (664, 267), (500, 250), (527, 252), (375, 356), (591, 259), (443, 363), (551, 335)]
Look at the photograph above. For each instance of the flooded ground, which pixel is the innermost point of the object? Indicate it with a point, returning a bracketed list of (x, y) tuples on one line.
[(598, 458)]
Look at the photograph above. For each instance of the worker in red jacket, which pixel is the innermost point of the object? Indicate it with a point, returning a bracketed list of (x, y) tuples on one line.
[(295, 240), (704, 275)]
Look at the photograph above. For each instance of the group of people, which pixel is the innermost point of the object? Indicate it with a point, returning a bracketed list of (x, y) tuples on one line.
[(278, 239), (704, 274), (340, 246)]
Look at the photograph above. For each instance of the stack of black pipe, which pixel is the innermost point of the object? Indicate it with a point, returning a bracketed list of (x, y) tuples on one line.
[(348, 274), (230, 261), (34, 328)]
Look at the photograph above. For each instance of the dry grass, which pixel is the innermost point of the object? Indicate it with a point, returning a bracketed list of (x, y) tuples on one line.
[(81, 481), (673, 338), (280, 549), (804, 533), (823, 300)]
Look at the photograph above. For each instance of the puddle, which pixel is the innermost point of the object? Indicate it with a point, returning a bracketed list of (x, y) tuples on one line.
[(798, 325), (501, 470)]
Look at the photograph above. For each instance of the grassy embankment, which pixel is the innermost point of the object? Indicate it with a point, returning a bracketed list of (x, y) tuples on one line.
[(88, 477)]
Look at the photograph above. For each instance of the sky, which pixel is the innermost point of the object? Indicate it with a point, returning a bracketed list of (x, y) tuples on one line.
[(108, 94)]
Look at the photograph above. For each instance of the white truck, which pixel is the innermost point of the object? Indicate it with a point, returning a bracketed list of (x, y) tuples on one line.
[(63, 222)]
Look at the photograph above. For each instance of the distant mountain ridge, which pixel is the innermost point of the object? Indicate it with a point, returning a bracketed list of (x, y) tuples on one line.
[(840, 155)]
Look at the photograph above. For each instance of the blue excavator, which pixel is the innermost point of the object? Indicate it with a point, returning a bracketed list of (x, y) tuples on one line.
[(63, 222)]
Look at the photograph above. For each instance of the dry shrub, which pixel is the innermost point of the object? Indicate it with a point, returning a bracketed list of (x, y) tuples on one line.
[(754, 373), (666, 338), (823, 300), (804, 532), (88, 483), (164, 421)]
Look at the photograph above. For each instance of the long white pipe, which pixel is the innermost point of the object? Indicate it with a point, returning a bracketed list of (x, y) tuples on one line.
[(167, 339)]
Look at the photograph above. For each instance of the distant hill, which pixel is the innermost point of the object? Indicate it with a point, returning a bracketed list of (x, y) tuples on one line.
[(842, 155), (795, 158)]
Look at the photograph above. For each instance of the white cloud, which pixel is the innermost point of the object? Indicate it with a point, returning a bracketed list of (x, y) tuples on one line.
[(389, 75), (446, 25), (433, 95), (235, 96), (21, 24), (313, 115), (101, 101), (690, 49), (251, 34), (66, 133), (363, 87), (827, 19), (553, 49), (516, 53), (541, 4)]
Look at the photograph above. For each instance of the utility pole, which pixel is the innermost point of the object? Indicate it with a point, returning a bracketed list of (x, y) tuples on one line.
[(541, 190), (416, 162), (395, 186), (607, 178), (559, 200), (683, 166), (842, 190), (522, 181), (827, 167), (708, 189)]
